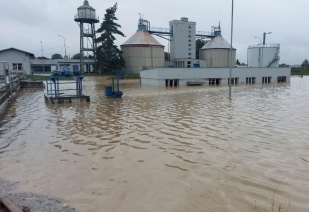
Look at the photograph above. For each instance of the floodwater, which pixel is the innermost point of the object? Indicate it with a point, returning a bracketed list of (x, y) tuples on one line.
[(163, 149)]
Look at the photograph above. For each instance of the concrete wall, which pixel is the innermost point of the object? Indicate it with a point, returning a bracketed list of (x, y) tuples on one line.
[(15, 56), (157, 77), (182, 40)]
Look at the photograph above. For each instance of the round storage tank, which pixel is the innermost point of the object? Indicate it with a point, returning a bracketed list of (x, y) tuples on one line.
[(142, 51), (266, 56), (216, 52)]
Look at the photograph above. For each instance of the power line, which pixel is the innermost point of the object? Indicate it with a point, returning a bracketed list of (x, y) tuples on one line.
[(48, 49)]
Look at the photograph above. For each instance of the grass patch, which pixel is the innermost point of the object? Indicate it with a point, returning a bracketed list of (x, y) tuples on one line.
[(132, 76), (126, 76), (36, 78), (300, 71), (43, 78)]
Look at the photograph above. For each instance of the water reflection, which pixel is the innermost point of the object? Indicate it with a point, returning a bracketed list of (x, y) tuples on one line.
[(168, 149)]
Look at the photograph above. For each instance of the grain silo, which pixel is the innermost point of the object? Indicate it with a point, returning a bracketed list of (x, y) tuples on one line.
[(216, 52), (142, 51)]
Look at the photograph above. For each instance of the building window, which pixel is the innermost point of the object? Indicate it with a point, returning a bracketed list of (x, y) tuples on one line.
[(266, 79), (189, 32), (189, 27), (234, 81), (214, 81), (189, 36), (17, 66), (171, 82), (189, 40), (189, 49), (250, 80), (189, 53), (190, 44), (281, 79)]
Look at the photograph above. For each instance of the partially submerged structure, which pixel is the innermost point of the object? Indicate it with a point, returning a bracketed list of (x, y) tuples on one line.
[(213, 76), (9, 83), (69, 92)]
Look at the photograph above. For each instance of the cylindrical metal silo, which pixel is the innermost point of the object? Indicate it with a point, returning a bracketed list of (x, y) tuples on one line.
[(216, 52), (142, 51), (266, 56)]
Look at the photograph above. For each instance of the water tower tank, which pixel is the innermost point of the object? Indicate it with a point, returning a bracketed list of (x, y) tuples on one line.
[(216, 52), (142, 51), (86, 12)]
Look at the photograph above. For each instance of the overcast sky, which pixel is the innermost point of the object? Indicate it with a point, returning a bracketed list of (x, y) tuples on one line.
[(25, 23)]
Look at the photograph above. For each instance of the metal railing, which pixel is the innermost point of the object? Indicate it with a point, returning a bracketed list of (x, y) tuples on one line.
[(203, 33), (268, 45), (86, 16)]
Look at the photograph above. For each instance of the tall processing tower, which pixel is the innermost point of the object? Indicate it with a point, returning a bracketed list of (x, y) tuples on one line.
[(86, 18), (182, 39)]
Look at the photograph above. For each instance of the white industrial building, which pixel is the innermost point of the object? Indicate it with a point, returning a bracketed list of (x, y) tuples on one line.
[(213, 76), (182, 39), (19, 60), (264, 55)]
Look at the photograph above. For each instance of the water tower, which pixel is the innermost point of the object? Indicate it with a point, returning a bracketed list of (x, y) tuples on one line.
[(86, 18)]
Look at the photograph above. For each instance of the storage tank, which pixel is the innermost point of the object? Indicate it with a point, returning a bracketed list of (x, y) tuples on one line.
[(264, 56), (216, 52), (142, 51)]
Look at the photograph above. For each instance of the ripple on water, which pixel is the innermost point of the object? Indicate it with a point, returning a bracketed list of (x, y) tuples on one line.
[(187, 145)]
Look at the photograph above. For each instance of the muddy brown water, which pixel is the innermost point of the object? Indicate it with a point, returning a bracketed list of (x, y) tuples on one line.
[(163, 149)]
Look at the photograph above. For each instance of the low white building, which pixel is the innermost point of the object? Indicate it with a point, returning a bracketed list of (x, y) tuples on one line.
[(213, 76), (48, 65), (18, 59)]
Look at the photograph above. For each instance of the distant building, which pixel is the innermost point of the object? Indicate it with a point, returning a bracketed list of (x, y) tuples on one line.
[(18, 59), (47, 65)]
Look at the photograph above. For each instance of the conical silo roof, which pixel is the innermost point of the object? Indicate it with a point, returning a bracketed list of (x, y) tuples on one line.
[(217, 43), (142, 38)]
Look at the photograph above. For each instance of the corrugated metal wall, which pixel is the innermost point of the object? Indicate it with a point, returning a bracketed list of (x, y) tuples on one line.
[(143, 57), (263, 56), (217, 58)]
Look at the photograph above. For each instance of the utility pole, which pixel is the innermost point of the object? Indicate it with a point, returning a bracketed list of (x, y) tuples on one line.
[(65, 47), (42, 57), (231, 48)]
